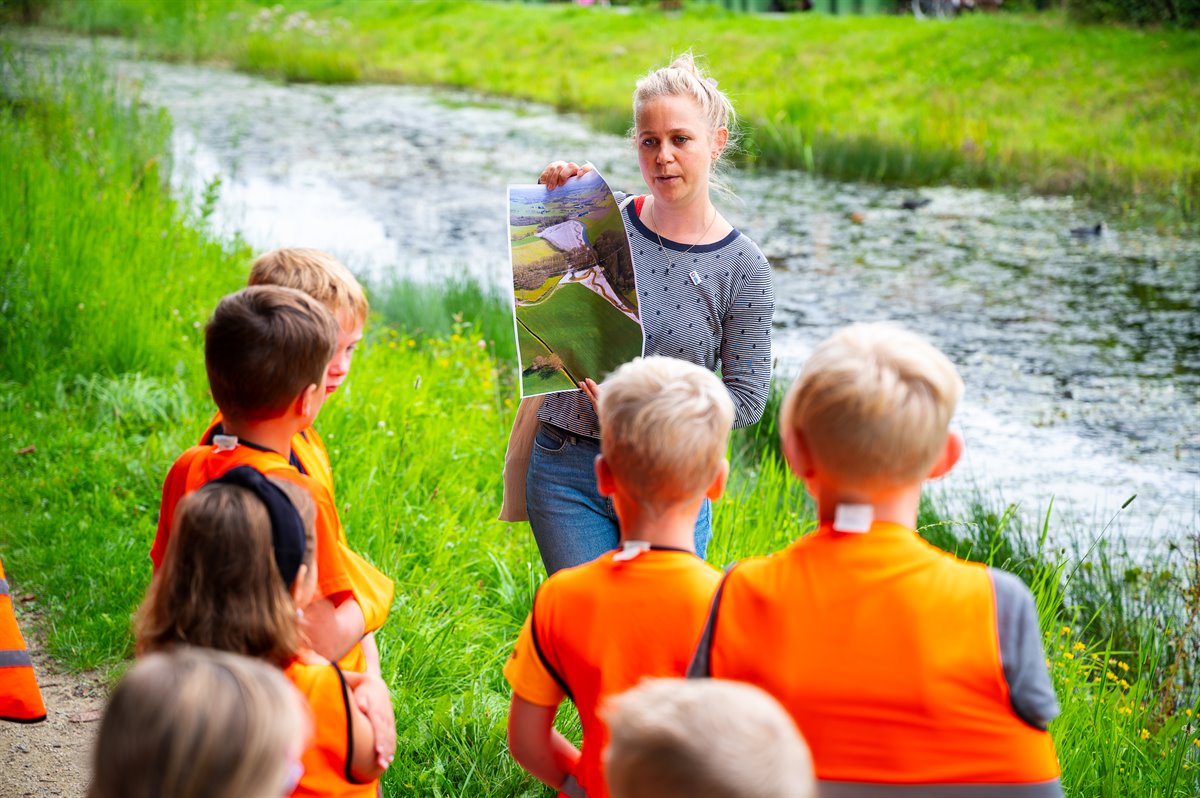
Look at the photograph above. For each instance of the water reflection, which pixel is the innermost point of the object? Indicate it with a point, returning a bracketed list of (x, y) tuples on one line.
[(1081, 354)]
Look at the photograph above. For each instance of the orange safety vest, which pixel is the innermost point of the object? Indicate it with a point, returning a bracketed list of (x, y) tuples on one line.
[(327, 760), (886, 652), (20, 699), (372, 589), (598, 629), (202, 464)]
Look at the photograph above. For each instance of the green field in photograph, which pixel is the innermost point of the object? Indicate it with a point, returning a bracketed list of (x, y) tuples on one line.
[(520, 231), (567, 323), (540, 291), (532, 250), (542, 381)]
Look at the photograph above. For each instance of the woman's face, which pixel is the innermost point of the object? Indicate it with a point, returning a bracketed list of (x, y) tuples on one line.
[(676, 150)]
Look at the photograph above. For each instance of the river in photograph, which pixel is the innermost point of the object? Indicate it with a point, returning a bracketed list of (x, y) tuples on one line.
[(1080, 352)]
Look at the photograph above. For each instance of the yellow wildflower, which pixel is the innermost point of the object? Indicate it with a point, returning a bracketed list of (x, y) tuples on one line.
[(1197, 742), (1123, 666), (1079, 646), (1125, 710), (1187, 712), (1124, 684), (1066, 630), (1068, 655), (1145, 735)]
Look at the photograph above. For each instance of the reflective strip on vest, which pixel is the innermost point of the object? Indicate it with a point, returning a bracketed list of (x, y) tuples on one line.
[(15, 659), (846, 789), (20, 699)]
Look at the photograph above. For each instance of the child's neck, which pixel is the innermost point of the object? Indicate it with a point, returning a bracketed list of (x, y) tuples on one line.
[(273, 433), (673, 527), (897, 506)]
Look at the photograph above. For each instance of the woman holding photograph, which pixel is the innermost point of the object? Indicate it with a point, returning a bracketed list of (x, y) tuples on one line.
[(704, 295)]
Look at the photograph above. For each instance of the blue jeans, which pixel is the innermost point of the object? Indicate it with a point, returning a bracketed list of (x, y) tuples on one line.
[(571, 522)]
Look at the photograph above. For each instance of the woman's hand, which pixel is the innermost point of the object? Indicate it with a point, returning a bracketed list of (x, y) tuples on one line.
[(560, 172), (589, 387)]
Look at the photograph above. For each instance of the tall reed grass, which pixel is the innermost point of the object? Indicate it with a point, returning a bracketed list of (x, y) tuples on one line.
[(96, 402)]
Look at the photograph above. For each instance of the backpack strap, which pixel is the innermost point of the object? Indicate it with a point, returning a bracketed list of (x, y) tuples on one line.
[(701, 664)]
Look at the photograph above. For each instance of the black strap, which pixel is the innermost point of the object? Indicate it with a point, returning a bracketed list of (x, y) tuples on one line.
[(287, 528), (537, 647), (348, 771), (701, 664), (219, 429)]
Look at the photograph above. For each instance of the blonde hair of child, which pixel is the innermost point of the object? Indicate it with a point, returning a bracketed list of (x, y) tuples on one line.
[(665, 424), (197, 724), (873, 404), (263, 346), (219, 586), (316, 273), (685, 78), (677, 738)]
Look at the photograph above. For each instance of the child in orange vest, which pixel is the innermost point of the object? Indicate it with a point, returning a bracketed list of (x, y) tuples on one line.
[(908, 671), (241, 566), (267, 350), (199, 722), (598, 628), (325, 279), (680, 738)]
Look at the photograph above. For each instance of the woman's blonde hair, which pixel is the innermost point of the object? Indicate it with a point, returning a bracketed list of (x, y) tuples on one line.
[(219, 586), (685, 78), (198, 724)]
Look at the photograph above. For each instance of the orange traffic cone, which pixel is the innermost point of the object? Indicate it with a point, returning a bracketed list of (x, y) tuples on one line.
[(20, 699)]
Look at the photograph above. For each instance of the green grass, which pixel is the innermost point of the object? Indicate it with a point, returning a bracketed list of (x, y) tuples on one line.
[(988, 100), (93, 409), (566, 321)]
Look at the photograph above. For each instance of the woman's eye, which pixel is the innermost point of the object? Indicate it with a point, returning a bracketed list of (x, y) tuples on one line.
[(681, 139), (648, 142)]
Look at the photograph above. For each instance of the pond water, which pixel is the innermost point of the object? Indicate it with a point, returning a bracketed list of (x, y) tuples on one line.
[(1081, 354)]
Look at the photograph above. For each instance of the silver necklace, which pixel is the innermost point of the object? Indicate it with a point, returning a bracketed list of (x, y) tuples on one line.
[(663, 250)]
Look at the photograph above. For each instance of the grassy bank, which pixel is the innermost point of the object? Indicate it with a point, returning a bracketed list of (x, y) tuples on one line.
[(987, 100), (106, 282)]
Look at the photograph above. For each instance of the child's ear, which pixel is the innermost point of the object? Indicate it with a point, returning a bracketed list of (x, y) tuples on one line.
[(949, 456), (304, 402), (717, 489), (298, 584), (606, 483), (795, 451)]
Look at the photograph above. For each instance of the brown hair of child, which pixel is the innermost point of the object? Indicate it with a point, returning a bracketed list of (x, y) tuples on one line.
[(219, 586), (263, 346)]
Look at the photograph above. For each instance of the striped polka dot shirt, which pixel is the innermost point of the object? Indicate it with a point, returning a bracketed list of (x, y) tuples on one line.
[(709, 304)]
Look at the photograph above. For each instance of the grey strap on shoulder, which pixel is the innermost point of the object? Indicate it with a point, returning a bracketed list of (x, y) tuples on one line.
[(1021, 653), (848, 789), (701, 665), (571, 788), (628, 199)]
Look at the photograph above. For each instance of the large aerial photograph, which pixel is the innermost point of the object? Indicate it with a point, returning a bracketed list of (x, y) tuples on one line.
[(574, 294)]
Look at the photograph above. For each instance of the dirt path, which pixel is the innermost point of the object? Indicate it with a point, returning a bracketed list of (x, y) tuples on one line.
[(52, 758)]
